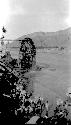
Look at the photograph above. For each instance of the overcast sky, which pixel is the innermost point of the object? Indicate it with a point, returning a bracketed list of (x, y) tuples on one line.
[(28, 16)]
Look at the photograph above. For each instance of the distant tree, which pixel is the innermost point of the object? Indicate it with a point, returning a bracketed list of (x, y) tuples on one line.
[(62, 48), (56, 47), (2, 39), (4, 30), (2, 42)]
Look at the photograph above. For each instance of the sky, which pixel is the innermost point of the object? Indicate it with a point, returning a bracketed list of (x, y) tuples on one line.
[(21, 17)]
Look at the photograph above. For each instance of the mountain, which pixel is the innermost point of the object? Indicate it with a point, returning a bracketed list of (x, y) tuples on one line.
[(47, 39)]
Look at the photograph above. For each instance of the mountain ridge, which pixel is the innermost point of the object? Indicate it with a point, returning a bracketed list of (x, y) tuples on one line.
[(58, 38)]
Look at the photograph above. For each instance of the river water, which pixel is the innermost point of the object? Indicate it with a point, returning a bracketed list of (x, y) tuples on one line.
[(54, 78)]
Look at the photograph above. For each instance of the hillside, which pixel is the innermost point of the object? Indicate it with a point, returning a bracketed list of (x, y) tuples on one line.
[(48, 39)]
